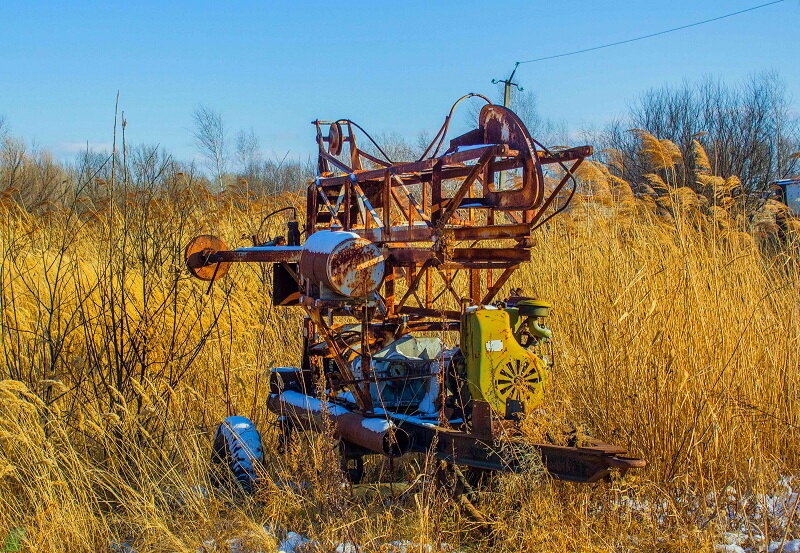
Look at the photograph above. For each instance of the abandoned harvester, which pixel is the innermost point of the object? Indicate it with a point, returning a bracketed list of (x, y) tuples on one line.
[(396, 258)]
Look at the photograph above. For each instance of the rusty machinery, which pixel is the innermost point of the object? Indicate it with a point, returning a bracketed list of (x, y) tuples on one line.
[(397, 256)]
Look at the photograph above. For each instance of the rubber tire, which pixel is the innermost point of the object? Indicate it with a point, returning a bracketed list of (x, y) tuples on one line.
[(237, 444)]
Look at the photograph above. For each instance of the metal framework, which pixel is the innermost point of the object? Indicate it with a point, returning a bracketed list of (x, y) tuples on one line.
[(432, 219)]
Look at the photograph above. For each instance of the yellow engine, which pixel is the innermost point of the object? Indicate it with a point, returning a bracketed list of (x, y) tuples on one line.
[(500, 371)]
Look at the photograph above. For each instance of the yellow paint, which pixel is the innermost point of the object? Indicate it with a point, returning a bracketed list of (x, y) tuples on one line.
[(498, 368)]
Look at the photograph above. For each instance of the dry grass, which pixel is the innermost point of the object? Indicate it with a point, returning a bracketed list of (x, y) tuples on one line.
[(676, 330)]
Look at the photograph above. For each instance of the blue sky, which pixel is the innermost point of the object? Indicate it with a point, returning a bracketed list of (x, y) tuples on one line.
[(275, 66)]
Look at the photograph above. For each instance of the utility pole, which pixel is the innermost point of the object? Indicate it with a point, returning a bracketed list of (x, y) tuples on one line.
[(507, 84)]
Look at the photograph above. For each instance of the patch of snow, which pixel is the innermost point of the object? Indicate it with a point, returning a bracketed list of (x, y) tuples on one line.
[(311, 404), (405, 418), (347, 396), (292, 542), (347, 547), (734, 538), (325, 241), (428, 403), (377, 425), (447, 353), (728, 548), (790, 546)]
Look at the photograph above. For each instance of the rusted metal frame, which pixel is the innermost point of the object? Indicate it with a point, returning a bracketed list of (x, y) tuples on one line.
[(339, 165), (366, 354), (348, 202), (379, 379), (403, 169), (386, 199), (311, 210), (328, 205), (407, 213), (448, 283), (438, 138), (495, 288), (478, 193), (420, 301), (436, 192), (555, 192), (374, 159), (292, 272), (425, 201), (413, 201), (494, 232), (322, 164), (570, 154), (403, 256), (428, 289), (427, 326), (368, 206), (474, 285), (466, 185), (458, 171), (427, 312), (444, 290), (414, 284), (448, 171), (355, 159), (483, 265), (349, 426), (290, 254), (362, 397), (389, 290), (340, 198)]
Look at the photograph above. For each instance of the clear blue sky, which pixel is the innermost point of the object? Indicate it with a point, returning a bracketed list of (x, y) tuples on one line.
[(274, 66)]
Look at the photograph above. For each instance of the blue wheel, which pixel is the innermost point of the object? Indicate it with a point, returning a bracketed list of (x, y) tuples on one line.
[(237, 454)]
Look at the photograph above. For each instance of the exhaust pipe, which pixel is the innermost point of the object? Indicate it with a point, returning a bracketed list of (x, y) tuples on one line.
[(372, 433)]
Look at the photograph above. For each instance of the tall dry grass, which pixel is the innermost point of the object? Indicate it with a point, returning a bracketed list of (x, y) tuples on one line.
[(676, 323)]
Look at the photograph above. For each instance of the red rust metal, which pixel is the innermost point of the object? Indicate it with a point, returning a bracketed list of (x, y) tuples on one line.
[(345, 263), (200, 257), (376, 230), (357, 429), (335, 139)]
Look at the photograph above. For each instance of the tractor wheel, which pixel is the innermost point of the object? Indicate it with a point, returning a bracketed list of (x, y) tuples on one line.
[(236, 455)]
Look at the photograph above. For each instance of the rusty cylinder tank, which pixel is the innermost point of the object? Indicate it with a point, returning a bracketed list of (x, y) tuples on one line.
[(343, 262)]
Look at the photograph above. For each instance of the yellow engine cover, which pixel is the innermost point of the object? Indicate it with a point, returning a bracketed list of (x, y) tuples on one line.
[(498, 368)]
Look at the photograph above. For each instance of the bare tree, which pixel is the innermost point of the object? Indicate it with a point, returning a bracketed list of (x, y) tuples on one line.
[(209, 135), (248, 156), (748, 130)]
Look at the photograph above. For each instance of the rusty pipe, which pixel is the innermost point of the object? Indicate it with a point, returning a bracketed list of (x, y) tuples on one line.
[(372, 433)]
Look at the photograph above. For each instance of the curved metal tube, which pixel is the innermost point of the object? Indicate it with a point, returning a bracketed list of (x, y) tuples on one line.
[(376, 434)]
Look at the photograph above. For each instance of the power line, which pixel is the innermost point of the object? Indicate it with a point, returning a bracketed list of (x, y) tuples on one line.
[(651, 35)]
